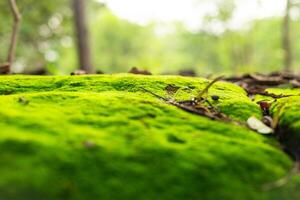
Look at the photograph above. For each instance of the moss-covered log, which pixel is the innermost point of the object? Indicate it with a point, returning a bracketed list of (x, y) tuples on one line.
[(103, 137)]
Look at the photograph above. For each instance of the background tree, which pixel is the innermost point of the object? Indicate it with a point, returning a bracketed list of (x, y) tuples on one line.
[(46, 25), (286, 43), (5, 68), (47, 41), (82, 33)]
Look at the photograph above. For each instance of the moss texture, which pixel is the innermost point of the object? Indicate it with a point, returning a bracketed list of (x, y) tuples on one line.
[(288, 109), (287, 112), (103, 137)]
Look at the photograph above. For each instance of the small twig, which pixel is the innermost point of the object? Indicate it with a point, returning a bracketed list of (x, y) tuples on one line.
[(181, 106), (156, 95), (197, 109), (200, 95)]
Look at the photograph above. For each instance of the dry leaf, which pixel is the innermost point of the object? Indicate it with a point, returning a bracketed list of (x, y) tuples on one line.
[(259, 126)]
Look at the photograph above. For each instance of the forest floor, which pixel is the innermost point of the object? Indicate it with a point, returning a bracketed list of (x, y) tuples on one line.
[(149, 137)]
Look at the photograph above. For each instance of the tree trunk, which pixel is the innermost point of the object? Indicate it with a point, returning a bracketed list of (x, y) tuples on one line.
[(82, 33), (286, 43)]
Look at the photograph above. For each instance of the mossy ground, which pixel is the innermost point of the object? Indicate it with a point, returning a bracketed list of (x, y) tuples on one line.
[(103, 137)]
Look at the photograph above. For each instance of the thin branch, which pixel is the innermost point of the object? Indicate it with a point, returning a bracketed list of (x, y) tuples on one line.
[(198, 109), (5, 68), (16, 27)]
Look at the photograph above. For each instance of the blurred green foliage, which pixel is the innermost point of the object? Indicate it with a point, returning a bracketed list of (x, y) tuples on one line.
[(47, 41), (43, 26)]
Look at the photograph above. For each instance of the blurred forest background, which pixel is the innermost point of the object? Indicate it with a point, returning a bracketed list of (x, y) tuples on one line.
[(47, 40)]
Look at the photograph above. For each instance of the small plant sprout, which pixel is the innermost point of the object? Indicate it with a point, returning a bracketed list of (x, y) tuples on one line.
[(205, 91)]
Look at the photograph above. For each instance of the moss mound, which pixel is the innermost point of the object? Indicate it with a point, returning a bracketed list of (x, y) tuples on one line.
[(103, 137)]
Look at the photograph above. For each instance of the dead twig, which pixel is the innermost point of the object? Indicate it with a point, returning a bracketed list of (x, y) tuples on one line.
[(194, 107), (182, 106)]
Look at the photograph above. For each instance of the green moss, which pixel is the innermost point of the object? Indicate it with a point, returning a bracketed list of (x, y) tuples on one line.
[(287, 109), (103, 137), (239, 107)]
